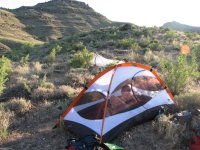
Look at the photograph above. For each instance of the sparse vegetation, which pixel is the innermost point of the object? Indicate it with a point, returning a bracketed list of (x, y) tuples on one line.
[(78, 46), (128, 43), (49, 76), (177, 74), (54, 51), (170, 34), (24, 60), (43, 82), (5, 116), (188, 101), (5, 69), (19, 105), (155, 45), (81, 59)]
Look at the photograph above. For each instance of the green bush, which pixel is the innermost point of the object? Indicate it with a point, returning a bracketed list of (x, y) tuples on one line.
[(170, 34), (135, 46), (148, 32), (177, 74), (43, 81), (144, 41), (128, 43), (81, 59), (197, 52), (125, 43), (52, 55), (5, 116), (155, 45), (5, 70), (24, 60), (78, 46), (22, 51)]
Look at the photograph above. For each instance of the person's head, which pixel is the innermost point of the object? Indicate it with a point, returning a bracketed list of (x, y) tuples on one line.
[(126, 89)]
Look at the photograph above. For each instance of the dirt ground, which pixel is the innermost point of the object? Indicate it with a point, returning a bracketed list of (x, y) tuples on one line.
[(33, 130)]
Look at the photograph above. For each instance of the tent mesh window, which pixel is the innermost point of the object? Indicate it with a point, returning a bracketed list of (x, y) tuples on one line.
[(132, 93), (91, 105)]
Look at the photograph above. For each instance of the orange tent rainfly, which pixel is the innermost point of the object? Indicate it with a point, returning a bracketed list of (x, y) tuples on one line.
[(117, 98)]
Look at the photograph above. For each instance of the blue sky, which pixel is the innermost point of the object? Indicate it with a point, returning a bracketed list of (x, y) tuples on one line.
[(139, 12)]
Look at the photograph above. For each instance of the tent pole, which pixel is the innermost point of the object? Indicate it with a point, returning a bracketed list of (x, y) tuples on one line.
[(105, 107)]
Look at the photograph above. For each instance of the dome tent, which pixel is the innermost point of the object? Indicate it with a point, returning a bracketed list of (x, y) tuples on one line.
[(117, 98)]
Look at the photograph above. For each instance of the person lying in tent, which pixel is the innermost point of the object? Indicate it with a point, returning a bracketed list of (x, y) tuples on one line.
[(121, 103)]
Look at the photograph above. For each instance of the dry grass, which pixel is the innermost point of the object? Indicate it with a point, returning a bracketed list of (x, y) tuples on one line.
[(70, 92), (188, 101), (22, 70), (37, 67), (42, 93), (150, 57), (78, 77), (145, 137), (52, 92), (5, 116), (18, 105), (169, 130)]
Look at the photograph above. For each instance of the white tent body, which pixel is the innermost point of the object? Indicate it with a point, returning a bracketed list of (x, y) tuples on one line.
[(101, 61), (110, 80)]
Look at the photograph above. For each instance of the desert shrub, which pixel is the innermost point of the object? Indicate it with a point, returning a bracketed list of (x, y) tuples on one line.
[(125, 43), (5, 69), (171, 131), (54, 51), (148, 32), (68, 90), (22, 51), (192, 35), (23, 70), (42, 93), (37, 67), (78, 77), (52, 92), (81, 59), (5, 116), (24, 60), (20, 105), (144, 41), (128, 43), (170, 34), (188, 101), (131, 56), (78, 46), (150, 57), (197, 52), (135, 46), (155, 45), (43, 81), (177, 74), (26, 87)]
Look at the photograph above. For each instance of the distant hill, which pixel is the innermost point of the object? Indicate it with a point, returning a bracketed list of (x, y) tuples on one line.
[(11, 29), (49, 21), (181, 27)]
